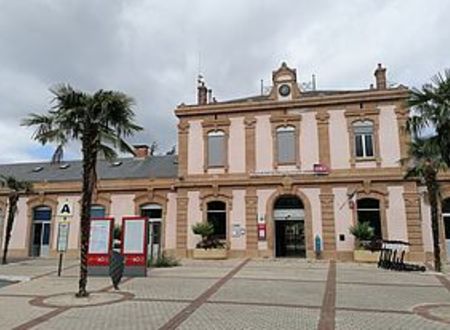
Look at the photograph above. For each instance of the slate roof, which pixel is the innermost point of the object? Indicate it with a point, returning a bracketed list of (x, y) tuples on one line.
[(130, 168)]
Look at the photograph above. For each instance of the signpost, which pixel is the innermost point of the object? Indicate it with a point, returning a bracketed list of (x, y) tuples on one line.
[(134, 245), (64, 214), (100, 244), (63, 239)]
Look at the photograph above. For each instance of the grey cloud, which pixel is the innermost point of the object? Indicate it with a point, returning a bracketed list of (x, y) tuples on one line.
[(151, 50)]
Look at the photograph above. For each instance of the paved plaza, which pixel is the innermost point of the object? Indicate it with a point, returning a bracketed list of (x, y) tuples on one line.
[(230, 294)]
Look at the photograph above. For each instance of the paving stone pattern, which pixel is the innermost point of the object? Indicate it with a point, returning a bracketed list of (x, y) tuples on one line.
[(230, 294)]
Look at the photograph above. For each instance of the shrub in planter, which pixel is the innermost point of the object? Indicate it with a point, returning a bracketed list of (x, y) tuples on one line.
[(363, 233), (206, 231)]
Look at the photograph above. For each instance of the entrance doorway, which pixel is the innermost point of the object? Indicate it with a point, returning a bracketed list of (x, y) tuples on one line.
[(446, 218), (289, 224), (154, 214), (40, 231)]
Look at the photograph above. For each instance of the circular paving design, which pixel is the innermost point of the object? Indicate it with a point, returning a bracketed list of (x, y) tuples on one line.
[(69, 300), (435, 312)]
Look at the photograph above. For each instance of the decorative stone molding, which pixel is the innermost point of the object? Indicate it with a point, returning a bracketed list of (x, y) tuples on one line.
[(285, 120), (370, 114), (284, 74), (308, 218), (367, 190)]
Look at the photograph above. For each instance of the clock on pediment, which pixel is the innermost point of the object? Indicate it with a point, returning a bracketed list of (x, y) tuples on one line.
[(285, 86), (284, 90)]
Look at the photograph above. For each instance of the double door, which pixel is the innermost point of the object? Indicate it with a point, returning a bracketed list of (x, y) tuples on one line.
[(290, 238), (40, 246)]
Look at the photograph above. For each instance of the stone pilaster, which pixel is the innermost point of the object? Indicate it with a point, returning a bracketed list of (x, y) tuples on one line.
[(322, 118), (250, 144), (182, 223), (183, 134), (413, 222), (251, 221), (328, 226)]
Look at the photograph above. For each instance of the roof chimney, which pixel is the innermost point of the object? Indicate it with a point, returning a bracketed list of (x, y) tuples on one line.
[(141, 150), (202, 91), (380, 77)]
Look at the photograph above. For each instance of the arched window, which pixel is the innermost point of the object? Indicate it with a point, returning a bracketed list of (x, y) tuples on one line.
[(217, 216), (40, 233), (368, 210), (286, 145), (98, 211), (216, 149), (363, 133)]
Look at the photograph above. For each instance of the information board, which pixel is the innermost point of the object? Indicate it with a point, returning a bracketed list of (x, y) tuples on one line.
[(134, 238), (134, 245), (63, 236), (100, 241), (99, 236)]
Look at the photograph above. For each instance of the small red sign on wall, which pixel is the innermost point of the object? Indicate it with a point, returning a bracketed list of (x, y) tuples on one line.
[(321, 169), (262, 231)]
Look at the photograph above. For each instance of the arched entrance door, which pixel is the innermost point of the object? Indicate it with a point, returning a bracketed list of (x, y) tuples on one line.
[(154, 214), (446, 218), (289, 218)]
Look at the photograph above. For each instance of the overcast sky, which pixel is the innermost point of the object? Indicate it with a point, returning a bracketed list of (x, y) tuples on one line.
[(153, 50)]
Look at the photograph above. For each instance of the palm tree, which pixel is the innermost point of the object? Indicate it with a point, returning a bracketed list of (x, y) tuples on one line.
[(100, 121), (16, 188), (431, 110), (425, 162)]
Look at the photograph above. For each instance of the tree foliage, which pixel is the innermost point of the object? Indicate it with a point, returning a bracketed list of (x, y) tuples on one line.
[(101, 121)]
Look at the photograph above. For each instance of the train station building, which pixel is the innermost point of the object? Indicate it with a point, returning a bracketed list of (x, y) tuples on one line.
[(282, 174)]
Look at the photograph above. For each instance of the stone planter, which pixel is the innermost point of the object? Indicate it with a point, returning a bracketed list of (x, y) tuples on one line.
[(210, 254), (366, 256)]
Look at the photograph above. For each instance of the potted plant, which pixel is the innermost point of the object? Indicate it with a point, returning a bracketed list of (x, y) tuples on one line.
[(365, 249), (209, 247)]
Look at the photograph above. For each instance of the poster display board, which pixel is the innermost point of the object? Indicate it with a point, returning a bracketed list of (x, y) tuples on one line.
[(134, 245), (63, 236), (100, 244)]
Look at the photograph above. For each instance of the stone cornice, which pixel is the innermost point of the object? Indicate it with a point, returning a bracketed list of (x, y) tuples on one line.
[(356, 97)]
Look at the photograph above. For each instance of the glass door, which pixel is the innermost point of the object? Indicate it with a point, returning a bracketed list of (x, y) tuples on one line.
[(41, 239)]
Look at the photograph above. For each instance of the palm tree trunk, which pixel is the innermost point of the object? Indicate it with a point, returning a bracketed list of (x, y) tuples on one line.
[(89, 177), (12, 208), (432, 188)]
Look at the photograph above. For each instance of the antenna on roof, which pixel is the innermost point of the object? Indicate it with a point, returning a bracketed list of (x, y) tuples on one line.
[(313, 82), (262, 87)]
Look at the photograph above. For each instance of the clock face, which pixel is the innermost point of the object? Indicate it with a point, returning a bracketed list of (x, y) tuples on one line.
[(284, 90)]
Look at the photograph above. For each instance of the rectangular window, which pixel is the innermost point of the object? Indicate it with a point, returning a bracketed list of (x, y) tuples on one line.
[(363, 132), (286, 146), (216, 150)]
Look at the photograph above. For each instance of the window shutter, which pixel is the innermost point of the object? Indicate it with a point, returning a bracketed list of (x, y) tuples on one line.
[(286, 147)]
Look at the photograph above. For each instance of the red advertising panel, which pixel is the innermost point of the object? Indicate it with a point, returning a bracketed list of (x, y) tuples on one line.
[(134, 242), (100, 241)]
